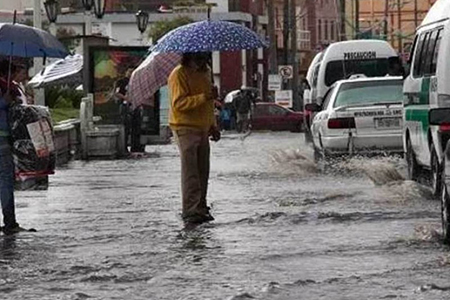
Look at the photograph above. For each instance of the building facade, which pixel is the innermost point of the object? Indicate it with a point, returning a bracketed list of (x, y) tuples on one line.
[(393, 20), (317, 24)]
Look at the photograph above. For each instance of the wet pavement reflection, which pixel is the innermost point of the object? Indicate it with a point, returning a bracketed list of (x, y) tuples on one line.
[(284, 229)]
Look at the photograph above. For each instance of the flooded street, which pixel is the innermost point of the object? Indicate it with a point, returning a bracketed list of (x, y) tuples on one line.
[(283, 230)]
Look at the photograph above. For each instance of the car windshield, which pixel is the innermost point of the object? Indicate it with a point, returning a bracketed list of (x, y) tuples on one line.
[(369, 92)]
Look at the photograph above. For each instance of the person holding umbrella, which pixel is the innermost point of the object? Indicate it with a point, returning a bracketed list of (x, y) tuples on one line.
[(192, 121), (192, 96), (21, 41), (8, 94)]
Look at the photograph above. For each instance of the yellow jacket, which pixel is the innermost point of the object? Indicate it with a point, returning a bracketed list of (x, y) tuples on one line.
[(191, 103)]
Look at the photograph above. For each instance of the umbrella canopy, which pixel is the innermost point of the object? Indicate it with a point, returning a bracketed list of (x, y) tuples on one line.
[(149, 76), (27, 41), (208, 36), (62, 71)]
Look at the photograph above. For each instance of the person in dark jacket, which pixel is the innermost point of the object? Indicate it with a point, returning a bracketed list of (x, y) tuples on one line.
[(8, 93)]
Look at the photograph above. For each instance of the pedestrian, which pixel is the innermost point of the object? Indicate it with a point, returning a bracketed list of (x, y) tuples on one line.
[(120, 95), (9, 93), (192, 121), (20, 78), (243, 105)]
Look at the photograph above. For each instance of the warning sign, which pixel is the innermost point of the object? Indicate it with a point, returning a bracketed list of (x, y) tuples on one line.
[(286, 72)]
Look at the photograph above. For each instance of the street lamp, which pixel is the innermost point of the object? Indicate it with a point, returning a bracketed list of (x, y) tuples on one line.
[(99, 11), (99, 8), (142, 20), (51, 9), (87, 4)]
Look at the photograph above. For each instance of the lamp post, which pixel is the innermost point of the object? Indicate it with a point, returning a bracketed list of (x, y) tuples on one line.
[(142, 18), (39, 97), (99, 8), (51, 10)]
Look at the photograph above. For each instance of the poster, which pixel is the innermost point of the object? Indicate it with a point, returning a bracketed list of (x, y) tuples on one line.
[(110, 70)]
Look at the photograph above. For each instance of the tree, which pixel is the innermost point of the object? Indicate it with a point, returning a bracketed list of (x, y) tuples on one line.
[(160, 28)]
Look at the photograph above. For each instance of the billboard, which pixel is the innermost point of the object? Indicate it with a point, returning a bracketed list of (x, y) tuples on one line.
[(111, 67)]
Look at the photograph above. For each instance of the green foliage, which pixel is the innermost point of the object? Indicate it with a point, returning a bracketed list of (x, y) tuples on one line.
[(160, 28), (57, 97), (61, 114)]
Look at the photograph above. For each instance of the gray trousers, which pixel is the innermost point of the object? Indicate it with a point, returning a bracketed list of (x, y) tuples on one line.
[(194, 152)]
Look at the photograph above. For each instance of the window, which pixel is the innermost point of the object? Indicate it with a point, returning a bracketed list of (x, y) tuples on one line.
[(386, 91), (277, 111), (418, 57), (315, 76), (342, 69), (332, 31), (319, 30), (436, 52), (325, 25), (261, 110), (429, 54), (326, 98)]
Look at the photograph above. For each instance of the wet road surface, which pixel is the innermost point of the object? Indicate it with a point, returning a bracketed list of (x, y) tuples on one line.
[(283, 230)]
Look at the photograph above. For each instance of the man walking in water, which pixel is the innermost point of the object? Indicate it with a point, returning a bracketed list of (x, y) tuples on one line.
[(192, 121), (243, 106)]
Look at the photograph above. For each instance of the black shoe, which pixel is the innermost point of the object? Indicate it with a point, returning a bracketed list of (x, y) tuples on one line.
[(198, 218), (16, 229)]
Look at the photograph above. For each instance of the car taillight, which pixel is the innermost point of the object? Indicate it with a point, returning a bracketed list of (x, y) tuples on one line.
[(444, 127), (339, 123)]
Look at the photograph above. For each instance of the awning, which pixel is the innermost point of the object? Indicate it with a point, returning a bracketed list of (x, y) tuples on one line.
[(63, 71)]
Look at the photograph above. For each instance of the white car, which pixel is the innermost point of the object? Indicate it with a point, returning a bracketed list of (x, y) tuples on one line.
[(362, 115)]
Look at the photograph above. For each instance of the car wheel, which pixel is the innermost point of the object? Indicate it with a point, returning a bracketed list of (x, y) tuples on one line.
[(436, 173), (413, 168), (445, 211), (317, 155)]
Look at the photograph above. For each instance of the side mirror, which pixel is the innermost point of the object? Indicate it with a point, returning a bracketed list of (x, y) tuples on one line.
[(313, 107)]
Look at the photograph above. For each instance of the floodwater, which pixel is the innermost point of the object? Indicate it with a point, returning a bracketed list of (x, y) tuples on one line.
[(283, 230)]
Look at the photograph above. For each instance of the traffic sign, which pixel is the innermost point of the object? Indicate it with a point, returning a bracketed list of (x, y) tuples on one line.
[(274, 82), (284, 98), (286, 71)]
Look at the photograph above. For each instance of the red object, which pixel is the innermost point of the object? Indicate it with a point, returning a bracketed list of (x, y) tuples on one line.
[(271, 116), (444, 127), (340, 123)]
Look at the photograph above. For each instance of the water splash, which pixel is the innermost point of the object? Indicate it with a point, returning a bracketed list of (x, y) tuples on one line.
[(380, 171), (294, 160)]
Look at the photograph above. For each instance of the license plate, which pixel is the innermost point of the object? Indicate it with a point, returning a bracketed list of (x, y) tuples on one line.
[(387, 123)]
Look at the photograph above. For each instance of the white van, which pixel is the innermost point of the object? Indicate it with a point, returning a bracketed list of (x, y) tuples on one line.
[(427, 96), (311, 78), (372, 58), (426, 90)]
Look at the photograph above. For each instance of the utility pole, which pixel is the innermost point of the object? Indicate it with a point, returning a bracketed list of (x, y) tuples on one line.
[(356, 19), (343, 36), (286, 30), (416, 23), (39, 96), (399, 16), (386, 16), (273, 66), (294, 56)]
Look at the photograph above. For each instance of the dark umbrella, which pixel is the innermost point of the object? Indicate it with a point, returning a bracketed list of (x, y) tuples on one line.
[(26, 41)]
